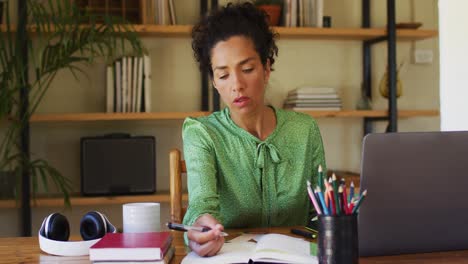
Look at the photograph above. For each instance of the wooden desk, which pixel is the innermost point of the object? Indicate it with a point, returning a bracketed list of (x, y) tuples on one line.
[(26, 250)]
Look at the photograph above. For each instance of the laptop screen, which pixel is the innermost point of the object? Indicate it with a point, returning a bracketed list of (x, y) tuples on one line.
[(417, 193)]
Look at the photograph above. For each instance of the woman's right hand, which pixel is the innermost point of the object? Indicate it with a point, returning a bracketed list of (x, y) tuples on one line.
[(206, 244)]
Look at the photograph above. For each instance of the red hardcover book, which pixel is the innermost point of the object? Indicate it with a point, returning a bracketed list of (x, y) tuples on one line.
[(131, 247)]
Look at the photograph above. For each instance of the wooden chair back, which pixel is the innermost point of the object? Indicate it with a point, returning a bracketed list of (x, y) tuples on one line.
[(176, 169)]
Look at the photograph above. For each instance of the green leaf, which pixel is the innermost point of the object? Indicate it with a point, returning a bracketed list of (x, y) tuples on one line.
[(43, 175)]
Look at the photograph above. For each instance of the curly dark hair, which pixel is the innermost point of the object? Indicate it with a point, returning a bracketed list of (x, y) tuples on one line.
[(233, 20)]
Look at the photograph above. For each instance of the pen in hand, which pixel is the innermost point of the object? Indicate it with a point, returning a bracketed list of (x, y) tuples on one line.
[(181, 227)]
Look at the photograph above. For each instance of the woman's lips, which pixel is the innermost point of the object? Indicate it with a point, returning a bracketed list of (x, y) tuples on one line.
[(241, 101)]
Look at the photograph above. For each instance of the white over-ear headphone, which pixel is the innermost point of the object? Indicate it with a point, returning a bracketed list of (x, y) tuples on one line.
[(55, 230)]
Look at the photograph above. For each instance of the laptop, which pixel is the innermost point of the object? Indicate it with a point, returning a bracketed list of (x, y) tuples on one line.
[(417, 198)]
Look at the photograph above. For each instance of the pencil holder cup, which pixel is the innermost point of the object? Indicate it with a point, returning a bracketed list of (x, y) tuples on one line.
[(338, 239)]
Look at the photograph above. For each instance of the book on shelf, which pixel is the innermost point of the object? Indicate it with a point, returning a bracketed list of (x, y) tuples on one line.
[(313, 108), (162, 11), (166, 260), (312, 100), (312, 105), (139, 85), (128, 88), (272, 248), (290, 13), (300, 14), (318, 98), (146, 83), (118, 86), (151, 246), (152, 13), (313, 90), (134, 84), (148, 16), (285, 13), (172, 12), (110, 89), (123, 107), (312, 96), (293, 17), (303, 13), (129, 84), (319, 13), (308, 13)]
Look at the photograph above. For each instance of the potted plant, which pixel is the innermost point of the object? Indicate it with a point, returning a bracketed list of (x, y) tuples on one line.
[(61, 41), (272, 8)]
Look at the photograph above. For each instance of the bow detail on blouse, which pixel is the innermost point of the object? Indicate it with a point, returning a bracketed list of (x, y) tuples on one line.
[(264, 149)]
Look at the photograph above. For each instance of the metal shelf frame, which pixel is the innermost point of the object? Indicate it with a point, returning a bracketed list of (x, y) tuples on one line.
[(392, 117), (205, 78)]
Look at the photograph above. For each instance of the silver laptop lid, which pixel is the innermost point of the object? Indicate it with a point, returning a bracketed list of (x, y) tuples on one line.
[(417, 197)]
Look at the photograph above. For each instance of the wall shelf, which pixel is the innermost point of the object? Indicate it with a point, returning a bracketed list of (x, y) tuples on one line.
[(294, 32), (352, 33), (162, 197), (372, 113), (81, 117), (303, 32)]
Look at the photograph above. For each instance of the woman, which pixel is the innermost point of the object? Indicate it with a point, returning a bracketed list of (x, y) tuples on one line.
[(247, 164)]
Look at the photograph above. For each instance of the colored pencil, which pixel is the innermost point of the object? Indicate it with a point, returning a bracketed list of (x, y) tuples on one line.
[(332, 201), (335, 191), (326, 183), (359, 202), (342, 200), (327, 198), (351, 206), (345, 196), (327, 201), (312, 198), (351, 191), (319, 193), (327, 190), (343, 182)]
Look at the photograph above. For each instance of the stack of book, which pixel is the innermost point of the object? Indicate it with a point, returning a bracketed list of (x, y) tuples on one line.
[(313, 99), (144, 248), (129, 85)]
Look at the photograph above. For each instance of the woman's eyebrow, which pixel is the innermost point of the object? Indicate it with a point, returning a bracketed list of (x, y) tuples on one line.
[(242, 62), (219, 68), (246, 60)]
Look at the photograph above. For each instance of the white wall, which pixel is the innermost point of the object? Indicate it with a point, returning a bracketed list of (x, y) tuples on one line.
[(453, 64)]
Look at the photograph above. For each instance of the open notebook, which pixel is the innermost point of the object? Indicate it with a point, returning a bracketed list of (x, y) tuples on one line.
[(273, 248)]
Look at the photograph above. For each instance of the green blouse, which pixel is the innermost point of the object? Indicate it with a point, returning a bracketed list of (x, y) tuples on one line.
[(245, 182)]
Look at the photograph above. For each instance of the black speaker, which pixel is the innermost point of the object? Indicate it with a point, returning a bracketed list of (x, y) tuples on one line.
[(118, 164)]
